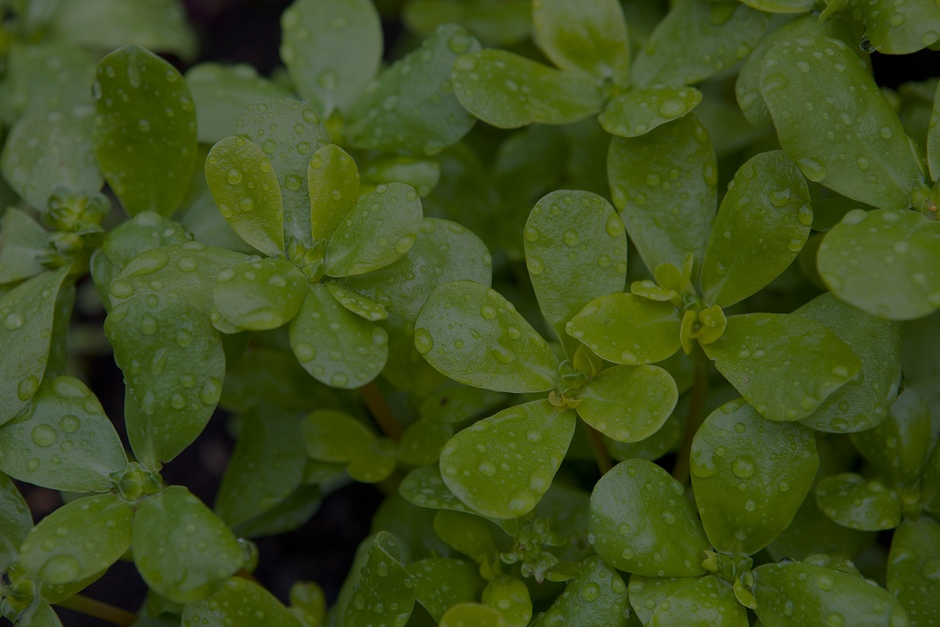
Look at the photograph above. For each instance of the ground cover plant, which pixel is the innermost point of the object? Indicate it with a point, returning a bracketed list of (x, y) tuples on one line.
[(629, 311)]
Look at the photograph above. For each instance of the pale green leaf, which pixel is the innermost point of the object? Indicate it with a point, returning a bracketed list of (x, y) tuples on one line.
[(892, 27), (385, 589), (39, 614), (857, 503), (22, 243), (237, 604), (15, 522), (441, 582), (639, 111), (472, 614), (511, 597), (501, 466), (145, 130), (257, 295), (628, 403), (596, 596), (507, 90), (703, 603), (44, 77), (475, 336), (912, 568), (333, 184)]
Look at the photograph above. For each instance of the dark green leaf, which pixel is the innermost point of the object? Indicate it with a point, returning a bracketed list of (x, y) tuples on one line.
[(507, 90), (639, 111), (22, 243), (597, 596), (412, 525), (333, 436), (649, 174), (913, 567), (257, 295), (892, 28), (440, 582), (422, 442), (425, 487), (899, 446), (628, 403), (333, 183), (44, 77), (385, 590), (854, 502), (933, 138), (15, 522), (703, 603), (145, 131), (238, 603)]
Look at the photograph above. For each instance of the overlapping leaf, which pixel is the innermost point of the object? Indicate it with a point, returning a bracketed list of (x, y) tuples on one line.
[(257, 295), (628, 403)]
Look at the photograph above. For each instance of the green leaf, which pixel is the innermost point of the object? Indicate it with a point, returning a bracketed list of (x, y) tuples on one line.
[(23, 242), (412, 525), (289, 133), (331, 49), (97, 531), (933, 137), (181, 549), (333, 183), (863, 402), (334, 345), (333, 436), (472, 614), (385, 590), (702, 603), (258, 295), (762, 224), (507, 90), (39, 614), (221, 94), (780, 6), (806, 594), (294, 511), (714, 37), (422, 173), (898, 276), (476, 337), (499, 22), (357, 303), (576, 251), (411, 107), (857, 503), (785, 366), (627, 329), (639, 111), (265, 467), (511, 597), (425, 487), (15, 522), (245, 188), (646, 593), (596, 596), (141, 233), (173, 367), (628, 403), (440, 582), (380, 229), (590, 39), (443, 251), (49, 148), (750, 476), (145, 130), (46, 76), (502, 465), (238, 603), (65, 443), (627, 536), (422, 442), (850, 116), (27, 311), (471, 535), (892, 28), (912, 568), (649, 174)]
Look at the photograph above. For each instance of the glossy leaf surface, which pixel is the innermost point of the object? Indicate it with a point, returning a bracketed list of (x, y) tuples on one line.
[(576, 251), (639, 111), (898, 276), (472, 614), (333, 184), (642, 523), (893, 28), (97, 532), (181, 549), (257, 295), (511, 597), (702, 603), (15, 522), (762, 224), (854, 502), (750, 476), (442, 582), (785, 366), (238, 603), (475, 336), (425, 487), (899, 446), (357, 303), (385, 589), (649, 174), (596, 596), (502, 465), (912, 568), (146, 144), (333, 436), (646, 593), (508, 91), (849, 117), (628, 403), (22, 241)]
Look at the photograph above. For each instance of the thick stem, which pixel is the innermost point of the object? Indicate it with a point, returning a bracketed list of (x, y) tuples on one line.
[(98, 609), (695, 416), (604, 463), (381, 413)]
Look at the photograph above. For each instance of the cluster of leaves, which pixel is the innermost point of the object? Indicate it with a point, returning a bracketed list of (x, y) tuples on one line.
[(656, 344)]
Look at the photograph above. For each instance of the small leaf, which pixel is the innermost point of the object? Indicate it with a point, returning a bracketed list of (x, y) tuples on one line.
[(380, 229), (425, 487), (471, 535), (702, 603), (639, 111), (245, 188), (854, 502), (23, 242), (257, 295), (596, 596), (411, 106), (65, 443), (331, 49), (576, 251), (850, 117), (27, 313), (422, 442), (785, 366), (646, 593), (628, 329), (333, 436), (511, 597), (502, 465), (762, 224), (508, 91), (472, 614), (15, 522), (238, 603), (333, 184), (628, 403), (892, 28), (475, 336), (898, 277), (356, 303), (97, 531), (181, 549), (590, 39), (912, 568), (422, 173), (384, 588), (624, 533), (145, 130), (441, 582), (649, 173), (334, 345)]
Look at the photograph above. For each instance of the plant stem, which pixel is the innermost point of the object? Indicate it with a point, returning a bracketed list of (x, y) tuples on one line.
[(604, 462), (695, 416), (381, 413), (98, 609)]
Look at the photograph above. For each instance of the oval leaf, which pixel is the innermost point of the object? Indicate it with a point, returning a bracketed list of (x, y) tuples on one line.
[(854, 502), (639, 111), (912, 568), (333, 183), (596, 596), (899, 446), (385, 589), (15, 522), (702, 603), (238, 604), (646, 593), (441, 582), (22, 242), (257, 295), (425, 487), (893, 28), (511, 597), (472, 614), (628, 403)]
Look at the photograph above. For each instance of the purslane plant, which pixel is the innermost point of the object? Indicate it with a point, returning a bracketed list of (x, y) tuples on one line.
[(511, 333)]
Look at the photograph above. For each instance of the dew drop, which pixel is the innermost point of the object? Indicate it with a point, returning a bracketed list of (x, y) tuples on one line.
[(423, 341), (488, 312), (234, 176), (27, 387), (742, 467), (43, 435), (14, 321)]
